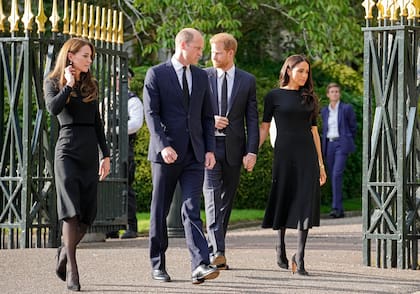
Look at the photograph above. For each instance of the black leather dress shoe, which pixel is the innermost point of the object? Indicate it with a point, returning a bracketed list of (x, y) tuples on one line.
[(160, 275), (129, 234), (204, 272)]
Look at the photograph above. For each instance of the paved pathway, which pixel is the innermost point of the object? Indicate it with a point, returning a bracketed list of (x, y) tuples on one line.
[(333, 259)]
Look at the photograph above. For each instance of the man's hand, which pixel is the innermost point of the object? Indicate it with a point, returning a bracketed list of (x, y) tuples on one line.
[(169, 155), (210, 160), (220, 122), (249, 161)]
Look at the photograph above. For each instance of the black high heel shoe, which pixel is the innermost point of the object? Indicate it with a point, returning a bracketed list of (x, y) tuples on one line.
[(73, 281), (298, 268), (282, 260), (60, 269)]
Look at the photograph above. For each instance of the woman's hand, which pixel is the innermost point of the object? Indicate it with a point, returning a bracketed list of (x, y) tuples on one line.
[(322, 175), (69, 75), (104, 168)]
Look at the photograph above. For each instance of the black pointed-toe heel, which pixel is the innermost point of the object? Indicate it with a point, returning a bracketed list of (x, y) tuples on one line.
[(298, 268), (73, 281), (60, 269), (282, 260)]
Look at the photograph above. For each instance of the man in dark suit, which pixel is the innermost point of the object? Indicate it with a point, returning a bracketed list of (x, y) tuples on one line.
[(234, 106), (339, 131), (178, 113)]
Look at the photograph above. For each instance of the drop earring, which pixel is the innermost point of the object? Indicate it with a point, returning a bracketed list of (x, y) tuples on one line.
[(71, 62)]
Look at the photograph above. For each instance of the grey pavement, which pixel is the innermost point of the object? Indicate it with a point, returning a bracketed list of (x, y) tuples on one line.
[(333, 260)]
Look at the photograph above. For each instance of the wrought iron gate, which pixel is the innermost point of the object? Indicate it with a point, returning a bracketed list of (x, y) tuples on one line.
[(391, 134), (28, 215)]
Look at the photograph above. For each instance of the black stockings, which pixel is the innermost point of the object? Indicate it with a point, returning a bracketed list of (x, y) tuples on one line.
[(73, 232), (301, 243)]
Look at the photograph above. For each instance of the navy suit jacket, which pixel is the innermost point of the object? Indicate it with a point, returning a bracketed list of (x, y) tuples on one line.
[(347, 126), (241, 111), (170, 123)]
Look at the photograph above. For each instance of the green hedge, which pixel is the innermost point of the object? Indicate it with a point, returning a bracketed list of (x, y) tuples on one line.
[(255, 186)]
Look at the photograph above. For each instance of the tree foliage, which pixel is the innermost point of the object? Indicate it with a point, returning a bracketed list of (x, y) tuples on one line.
[(323, 29)]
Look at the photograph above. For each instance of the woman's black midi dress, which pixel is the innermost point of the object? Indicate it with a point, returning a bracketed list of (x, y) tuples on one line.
[(76, 162), (294, 200)]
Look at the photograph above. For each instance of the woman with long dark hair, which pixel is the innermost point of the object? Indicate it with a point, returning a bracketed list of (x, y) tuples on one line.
[(71, 94), (298, 169)]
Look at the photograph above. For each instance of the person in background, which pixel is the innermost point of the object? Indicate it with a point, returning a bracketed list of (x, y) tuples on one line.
[(338, 133), (179, 116), (234, 105), (298, 169), (71, 94), (134, 123)]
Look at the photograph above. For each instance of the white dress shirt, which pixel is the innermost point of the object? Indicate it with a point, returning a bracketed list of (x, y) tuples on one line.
[(333, 122), (179, 69)]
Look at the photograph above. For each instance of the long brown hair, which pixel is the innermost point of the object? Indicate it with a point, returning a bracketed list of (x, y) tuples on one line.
[(87, 84), (307, 90)]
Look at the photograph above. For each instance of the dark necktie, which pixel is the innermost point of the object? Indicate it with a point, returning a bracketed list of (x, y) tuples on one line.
[(185, 87), (223, 102)]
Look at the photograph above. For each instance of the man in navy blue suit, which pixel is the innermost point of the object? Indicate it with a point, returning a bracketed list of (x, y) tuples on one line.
[(234, 105), (339, 131), (178, 113)]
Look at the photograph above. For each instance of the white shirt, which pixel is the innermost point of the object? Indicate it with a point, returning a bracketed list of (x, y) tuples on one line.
[(333, 122), (230, 76), (179, 69), (135, 115)]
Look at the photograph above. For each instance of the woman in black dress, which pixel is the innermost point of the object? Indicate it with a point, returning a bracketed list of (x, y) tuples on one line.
[(298, 169), (71, 94)]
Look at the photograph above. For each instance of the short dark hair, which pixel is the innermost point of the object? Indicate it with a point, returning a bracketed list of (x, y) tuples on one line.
[(130, 73)]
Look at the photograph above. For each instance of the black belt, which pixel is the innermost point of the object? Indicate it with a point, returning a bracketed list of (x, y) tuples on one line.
[(333, 139)]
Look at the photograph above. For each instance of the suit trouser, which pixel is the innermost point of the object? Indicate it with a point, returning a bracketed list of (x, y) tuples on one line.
[(219, 189), (190, 174), (336, 163), (131, 197)]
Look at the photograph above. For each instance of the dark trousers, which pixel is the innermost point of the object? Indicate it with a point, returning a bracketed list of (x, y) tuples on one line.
[(131, 199), (336, 163), (219, 189), (190, 175)]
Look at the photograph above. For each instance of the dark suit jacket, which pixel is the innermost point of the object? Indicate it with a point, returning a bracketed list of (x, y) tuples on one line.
[(242, 109), (169, 122), (347, 126)]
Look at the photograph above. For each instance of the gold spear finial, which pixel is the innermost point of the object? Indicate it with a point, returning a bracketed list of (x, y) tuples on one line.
[(368, 5), (91, 22), (121, 29), (380, 10), (2, 17), (413, 9), (73, 18), (403, 7), (28, 16), (394, 11), (115, 27), (66, 20), (109, 27), (85, 33), (98, 23), (14, 17), (79, 20), (387, 4), (41, 18), (54, 18), (103, 25)]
